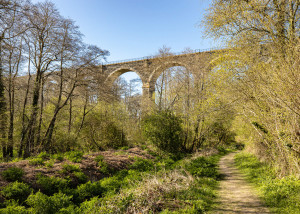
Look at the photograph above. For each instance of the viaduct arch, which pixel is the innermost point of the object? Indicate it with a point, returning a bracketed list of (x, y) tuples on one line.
[(150, 68)]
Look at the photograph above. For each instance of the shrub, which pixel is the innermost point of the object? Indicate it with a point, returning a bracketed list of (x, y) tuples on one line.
[(69, 168), (14, 209), (36, 161), (142, 165), (103, 133), (99, 158), (17, 191), (49, 163), (89, 190), (88, 207), (41, 203), (51, 185), (80, 177), (58, 157), (111, 184), (104, 168), (13, 174), (164, 130), (44, 155), (74, 156)]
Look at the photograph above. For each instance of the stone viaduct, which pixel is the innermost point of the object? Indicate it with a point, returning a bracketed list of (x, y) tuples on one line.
[(150, 68)]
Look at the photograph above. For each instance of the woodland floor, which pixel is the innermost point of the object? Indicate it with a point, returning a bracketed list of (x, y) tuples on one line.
[(236, 195)]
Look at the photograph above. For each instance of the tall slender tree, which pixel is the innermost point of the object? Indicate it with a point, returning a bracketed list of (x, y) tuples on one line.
[(10, 16)]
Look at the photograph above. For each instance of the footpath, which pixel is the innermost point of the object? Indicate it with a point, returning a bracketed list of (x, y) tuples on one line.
[(236, 195)]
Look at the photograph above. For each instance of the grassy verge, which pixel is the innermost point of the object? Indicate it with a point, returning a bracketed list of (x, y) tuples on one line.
[(186, 186), (160, 185), (282, 195)]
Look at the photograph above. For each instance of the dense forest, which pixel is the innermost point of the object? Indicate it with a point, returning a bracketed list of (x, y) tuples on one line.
[(56, 111)]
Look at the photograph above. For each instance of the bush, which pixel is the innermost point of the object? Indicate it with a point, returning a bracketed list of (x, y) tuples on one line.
[(99, 158), (142, 165), (13, 174), (89, 190), (74, 156), (36, 161), (164, 130), (41, 203), (51, 185), (80, 177), (14, 209), (17, 191), (44, 155), (103, 167), (103, 133), (58, 157), (111, 184), (88, 207), (69, 168)]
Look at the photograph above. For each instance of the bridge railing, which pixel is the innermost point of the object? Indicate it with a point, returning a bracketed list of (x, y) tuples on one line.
[(156, 56)]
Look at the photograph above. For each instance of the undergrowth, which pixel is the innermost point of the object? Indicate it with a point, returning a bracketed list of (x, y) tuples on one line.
[(160, 185), (280, 194)]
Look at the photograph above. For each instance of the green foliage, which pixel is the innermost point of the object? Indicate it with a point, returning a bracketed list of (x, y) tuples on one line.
[(89, 190), (99, 158), (14, 209), (88, 207), (74, 156), (17, 191), (36, 161), (51, 185), (112, 184), (44, 155), (13, 174), (103, 167), (282, 194), (103, 133), (41, 203), (70, 168), (203, 167), (142, 165), (59, 157), (80, 177), (164, 130)]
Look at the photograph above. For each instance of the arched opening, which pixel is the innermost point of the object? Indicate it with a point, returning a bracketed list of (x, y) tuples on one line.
[(174, 89), (127, 89)]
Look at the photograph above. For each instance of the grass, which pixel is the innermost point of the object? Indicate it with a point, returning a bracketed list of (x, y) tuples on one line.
[(185, 186), (163, 184), (282, 195)]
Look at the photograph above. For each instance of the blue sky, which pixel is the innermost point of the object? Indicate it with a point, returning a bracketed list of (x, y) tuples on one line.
[(137, 28)]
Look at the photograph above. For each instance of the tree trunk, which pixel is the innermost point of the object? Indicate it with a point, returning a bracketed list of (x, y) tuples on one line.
[(38, 138), (24, 127), (70, 115), (32, 122), (3, 117)]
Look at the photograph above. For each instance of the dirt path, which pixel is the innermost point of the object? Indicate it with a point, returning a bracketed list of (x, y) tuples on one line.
[(236, 195)]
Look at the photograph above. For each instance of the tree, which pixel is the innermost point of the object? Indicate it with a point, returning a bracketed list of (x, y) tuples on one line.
[(163, 129), (261, 71), (10, 16), (43, 34)]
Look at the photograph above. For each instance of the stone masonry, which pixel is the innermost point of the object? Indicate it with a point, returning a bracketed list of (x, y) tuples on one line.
[(150, 68)]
